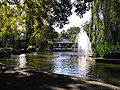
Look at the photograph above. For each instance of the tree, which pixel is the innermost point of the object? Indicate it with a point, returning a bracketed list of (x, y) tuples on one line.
[(63, 34), (82, 6), (72, 32), (8, 24), (44, 13), (36, 17), (104, 24)]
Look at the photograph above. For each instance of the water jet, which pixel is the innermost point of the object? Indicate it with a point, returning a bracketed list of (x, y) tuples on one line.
[(83, 44)]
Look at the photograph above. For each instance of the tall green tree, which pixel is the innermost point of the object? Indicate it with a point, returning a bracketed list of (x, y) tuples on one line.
[(72, 32), (36, 17), (8, 24), (104, 23), (42, 13)]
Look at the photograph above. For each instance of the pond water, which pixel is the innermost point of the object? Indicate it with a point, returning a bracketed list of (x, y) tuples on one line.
[(67, 63)]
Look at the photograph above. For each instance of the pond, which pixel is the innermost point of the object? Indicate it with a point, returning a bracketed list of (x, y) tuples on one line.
[(67, 63)]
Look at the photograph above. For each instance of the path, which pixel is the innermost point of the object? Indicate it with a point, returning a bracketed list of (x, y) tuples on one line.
[(34, 80)]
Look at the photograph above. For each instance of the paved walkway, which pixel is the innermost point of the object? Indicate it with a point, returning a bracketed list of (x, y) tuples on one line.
[(34, 80)]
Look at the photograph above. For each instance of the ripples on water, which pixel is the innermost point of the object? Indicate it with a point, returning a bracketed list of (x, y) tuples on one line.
[(67, 63), (79, 67)]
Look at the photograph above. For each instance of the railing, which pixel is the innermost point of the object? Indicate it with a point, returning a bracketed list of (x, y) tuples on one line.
[(63, 44), (63, 40)]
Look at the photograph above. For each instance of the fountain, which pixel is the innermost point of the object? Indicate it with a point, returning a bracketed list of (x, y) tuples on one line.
[(83, 43), (22, 61)]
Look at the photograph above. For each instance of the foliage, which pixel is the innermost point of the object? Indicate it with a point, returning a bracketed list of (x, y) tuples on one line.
[(5, 52), (105, 49), (104, 26), (63, 34), (8, 24), (82, 6), (86, 27), (32, 20), (70, 33)]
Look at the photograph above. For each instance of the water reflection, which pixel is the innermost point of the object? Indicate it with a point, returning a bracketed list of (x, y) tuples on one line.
[(83, 66), (21, 61), (64, 66), (109, 73), (66, 63)]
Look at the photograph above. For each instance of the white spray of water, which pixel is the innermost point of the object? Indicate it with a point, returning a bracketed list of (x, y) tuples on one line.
[(83, 42), (22, 61)]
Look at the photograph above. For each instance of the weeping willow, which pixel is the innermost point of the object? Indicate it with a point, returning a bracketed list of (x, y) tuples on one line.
[(105, 23)]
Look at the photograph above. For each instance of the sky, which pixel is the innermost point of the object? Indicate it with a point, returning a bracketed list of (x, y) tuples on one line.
[(75, 21)]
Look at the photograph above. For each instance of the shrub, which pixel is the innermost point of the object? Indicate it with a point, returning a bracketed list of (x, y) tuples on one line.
[(105, 49)]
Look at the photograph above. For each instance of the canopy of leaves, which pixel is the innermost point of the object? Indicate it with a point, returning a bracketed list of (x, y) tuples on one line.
[(104, 25), (82, 6), (34, 18), (70, 33)]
